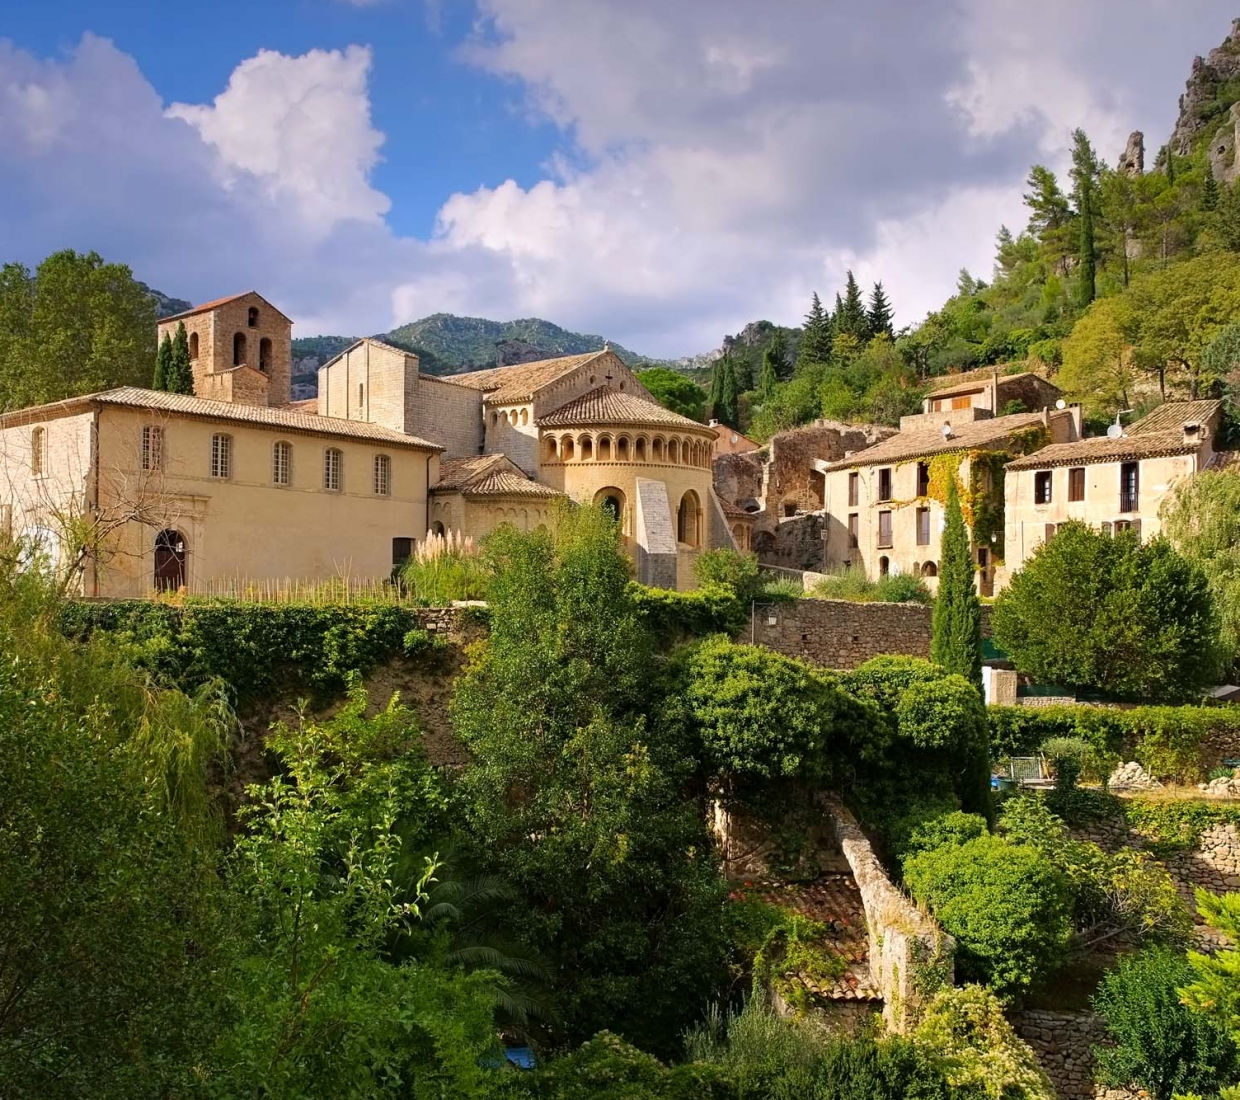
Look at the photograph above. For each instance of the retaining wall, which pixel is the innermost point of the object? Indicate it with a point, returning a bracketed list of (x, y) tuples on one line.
[(841, 634), (1063, 1043), (911, 957)]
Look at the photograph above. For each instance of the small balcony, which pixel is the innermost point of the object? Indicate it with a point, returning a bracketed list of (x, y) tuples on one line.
[(1128, 501)]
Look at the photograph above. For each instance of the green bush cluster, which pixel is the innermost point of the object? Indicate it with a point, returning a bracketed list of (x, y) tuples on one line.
[(674, 616), (254, 648), (855, 586), (1169, 742)]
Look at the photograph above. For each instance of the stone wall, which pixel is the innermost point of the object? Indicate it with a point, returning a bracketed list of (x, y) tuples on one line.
[(1064, 1044), (841, 634), (440, 620), (911, 957)]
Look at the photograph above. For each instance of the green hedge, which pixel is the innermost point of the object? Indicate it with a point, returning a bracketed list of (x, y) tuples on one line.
[(675, 616), (1168, 741), (254, 648)]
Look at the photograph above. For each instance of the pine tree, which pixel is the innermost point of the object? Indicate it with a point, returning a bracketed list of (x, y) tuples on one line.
[(777, 349), (880, 313), (163, 364), (1209, 193), (956, 642), (816, 337), (180, 377), (852, 320), (1085, 173), (744, 373)]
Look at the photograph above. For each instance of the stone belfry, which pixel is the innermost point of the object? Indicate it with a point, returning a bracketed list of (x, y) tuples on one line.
[(240, 349)]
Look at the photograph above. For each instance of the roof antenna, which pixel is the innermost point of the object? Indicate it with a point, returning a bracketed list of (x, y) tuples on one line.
[(1116, 430)]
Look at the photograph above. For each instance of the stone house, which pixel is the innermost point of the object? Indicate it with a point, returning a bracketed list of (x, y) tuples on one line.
[(989, 392), (884, 506), (239, 482), (1112, 482), (728, 441)]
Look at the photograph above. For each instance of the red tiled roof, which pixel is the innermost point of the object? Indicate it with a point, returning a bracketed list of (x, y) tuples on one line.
[(493, 475), (217, 303), (522, 380), (605, 406)]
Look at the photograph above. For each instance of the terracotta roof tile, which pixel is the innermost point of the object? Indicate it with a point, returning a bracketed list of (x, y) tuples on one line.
[(230, 412), (522, 380), (1088, 452), (607, 406), (216, 304), (930, 441), (492, 475), (1173, 415)]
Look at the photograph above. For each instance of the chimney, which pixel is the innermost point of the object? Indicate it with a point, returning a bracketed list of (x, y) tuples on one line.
[(1193, 432), (1078, 427), (994, 392)]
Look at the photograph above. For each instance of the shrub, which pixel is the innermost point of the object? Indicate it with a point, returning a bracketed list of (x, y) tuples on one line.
[(966, 1033), (761, 714), (901, 588), (947, 715), (1096, 613), (445, 568), (1068, 757), (725, 567), (853, 585), (1161, 1045), (675, 616), (951, 828), (1006, 904)]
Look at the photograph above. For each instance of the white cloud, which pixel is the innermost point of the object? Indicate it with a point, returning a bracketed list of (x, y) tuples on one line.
[(714, 168), (301, 126)]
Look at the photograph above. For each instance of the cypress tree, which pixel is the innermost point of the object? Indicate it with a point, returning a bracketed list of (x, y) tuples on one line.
[(956, 643), (728, 394), (180, 377), (769, 377), (851, 318), (1209, 193), (715, 398), (163, 364), (777, 349), (880, 314), (744, 374), (1085, 171)]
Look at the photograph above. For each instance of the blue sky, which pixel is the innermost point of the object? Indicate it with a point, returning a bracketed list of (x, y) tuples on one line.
[(660, 173)]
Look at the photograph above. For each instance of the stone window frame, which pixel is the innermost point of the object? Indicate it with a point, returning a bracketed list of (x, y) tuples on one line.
[(221, 456), (1076, 484), (885, 520), (381, 477), (333, 470), (922, 517), (1043, 486), (282, 464), (885, 480)]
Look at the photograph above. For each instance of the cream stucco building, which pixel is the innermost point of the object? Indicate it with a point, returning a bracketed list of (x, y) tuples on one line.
[(883, 505), (1111, 482), (238, 482)]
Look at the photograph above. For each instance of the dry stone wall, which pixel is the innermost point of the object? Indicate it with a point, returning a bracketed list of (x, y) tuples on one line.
[(841, 634), (1064, 1044), (911, 957)]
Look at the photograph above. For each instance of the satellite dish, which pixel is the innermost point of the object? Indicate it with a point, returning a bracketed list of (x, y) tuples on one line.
[(946, 430), (1115, 431), (1061, 404)]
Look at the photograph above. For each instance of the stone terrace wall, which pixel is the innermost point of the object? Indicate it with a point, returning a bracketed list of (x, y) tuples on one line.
[(911, 957), (439, 620), (840, 634), (1063, 1043)]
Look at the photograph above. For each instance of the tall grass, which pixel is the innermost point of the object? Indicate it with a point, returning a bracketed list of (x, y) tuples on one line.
[(446, 568)]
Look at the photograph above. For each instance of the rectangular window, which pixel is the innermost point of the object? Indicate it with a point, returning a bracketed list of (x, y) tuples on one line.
[(854, 531), (884, 530), (402, 550), (965, 402), (383, 476), (923, 526), (1129, 487), (152, 447), (1076, 483), (282, 463), (333, 464), (38, 452), (854, 489), (221, 456), (923, 479), (884, 483), (1042, 487)]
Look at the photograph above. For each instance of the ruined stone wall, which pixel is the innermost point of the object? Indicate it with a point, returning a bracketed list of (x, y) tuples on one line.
[(1064, 1045), (911, 957), (840, 634), (738, 478)]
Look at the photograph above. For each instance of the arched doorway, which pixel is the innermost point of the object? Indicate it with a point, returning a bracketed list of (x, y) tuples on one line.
[(611, 500), (688, 520), (169, 561)]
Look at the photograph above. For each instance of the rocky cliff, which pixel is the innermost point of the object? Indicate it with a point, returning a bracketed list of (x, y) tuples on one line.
[(1208, 107)]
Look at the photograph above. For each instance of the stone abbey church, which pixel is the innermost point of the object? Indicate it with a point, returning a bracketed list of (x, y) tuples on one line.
[(238, 482)]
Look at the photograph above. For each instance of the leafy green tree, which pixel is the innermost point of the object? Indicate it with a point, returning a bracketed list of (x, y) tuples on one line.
[(1160, 1044), (326, 875), (1096, 613), (163, 364), (852, 318), (180, 372), (956, 642), (880, 313), (1214, 989), (674, 391), (816, 336), (1050, 214), (572, 798), (725, 566), (1006, 904), (1199, 517), (108, 899), (743, 369), (1097, 359), (1085, 173), (76, 325)]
